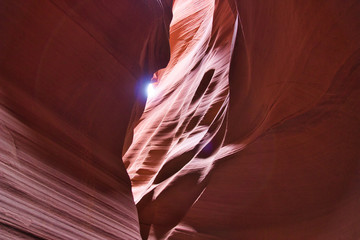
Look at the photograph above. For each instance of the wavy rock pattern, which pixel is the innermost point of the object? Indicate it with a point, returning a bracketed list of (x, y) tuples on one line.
[(254, 131), (68, 77)]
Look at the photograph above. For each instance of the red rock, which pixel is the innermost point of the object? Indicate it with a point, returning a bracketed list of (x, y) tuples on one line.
[(69, 75), (252, 133)]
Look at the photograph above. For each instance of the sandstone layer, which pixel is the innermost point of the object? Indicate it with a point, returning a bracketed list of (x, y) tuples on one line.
[(252, 132), (69, 73)]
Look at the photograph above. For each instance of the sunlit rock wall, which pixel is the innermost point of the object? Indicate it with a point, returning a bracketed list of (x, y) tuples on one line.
[(69, 73), (253, 132)]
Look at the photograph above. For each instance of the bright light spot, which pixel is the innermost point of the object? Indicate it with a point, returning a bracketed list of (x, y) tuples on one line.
[(151, 90)]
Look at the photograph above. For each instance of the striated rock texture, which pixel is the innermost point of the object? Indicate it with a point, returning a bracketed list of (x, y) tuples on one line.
[(69, 73), (253, 132)]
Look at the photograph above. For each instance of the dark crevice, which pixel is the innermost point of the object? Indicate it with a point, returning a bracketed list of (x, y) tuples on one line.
[(205, 81)]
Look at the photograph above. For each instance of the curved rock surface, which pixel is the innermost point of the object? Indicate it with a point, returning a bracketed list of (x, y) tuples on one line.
[(69, 73), (254, 129), (252, 132)]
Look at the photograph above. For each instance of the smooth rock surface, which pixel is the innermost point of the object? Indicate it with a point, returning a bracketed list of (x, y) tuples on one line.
[(254, 132), (69, 77)]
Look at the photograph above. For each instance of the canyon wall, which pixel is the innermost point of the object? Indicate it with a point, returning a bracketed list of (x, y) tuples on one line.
[(69, 77), (253, 131)]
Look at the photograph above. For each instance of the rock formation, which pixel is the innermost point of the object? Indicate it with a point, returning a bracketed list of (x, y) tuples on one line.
[(69, 76), (252, 132), (255, 129)]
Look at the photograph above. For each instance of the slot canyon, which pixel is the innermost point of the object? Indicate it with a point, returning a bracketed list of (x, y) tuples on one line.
[(251, 130)]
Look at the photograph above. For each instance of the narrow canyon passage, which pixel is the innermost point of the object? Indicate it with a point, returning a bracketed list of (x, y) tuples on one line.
[(251, 131)]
